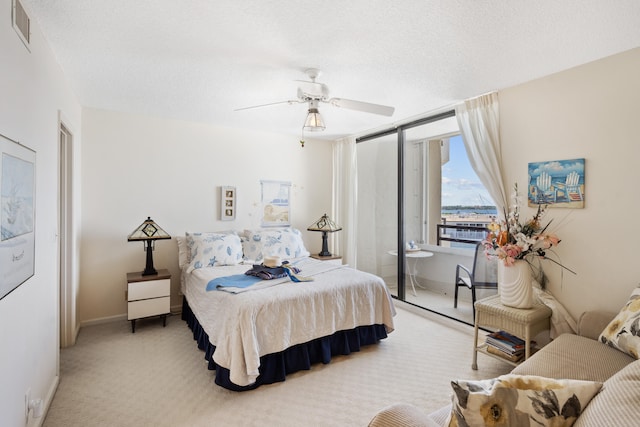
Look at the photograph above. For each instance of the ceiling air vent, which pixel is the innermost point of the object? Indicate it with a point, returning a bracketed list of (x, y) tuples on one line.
[(21, 22)]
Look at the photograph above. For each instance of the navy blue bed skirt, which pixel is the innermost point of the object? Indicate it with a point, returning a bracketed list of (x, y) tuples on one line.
[(274, 367)]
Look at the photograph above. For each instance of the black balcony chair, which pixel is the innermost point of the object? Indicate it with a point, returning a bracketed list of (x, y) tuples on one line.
[(484, 275)]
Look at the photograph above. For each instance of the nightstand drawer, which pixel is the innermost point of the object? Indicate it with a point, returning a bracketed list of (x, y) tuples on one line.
[(148, 307), (149, 289)]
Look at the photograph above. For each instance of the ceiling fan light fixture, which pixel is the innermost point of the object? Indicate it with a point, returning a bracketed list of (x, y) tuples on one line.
[(314, 122)]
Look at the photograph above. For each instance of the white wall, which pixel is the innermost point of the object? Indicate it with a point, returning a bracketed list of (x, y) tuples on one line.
[(588, 112), (34, 93), (136, 166)]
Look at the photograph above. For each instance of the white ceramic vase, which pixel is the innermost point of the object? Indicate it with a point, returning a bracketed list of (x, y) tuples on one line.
[(515, 285)]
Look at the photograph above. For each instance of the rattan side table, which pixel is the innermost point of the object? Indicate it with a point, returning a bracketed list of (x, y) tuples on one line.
[(524, 323)]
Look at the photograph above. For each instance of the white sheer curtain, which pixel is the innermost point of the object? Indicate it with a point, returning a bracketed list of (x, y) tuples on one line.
[(479, 123), (345, 199)]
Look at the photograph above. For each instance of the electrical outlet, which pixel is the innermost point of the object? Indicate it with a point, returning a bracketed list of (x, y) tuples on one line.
[(27, 398)]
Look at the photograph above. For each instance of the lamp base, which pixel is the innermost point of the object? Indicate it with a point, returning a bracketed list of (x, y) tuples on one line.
[(148, 269), (325, 247)]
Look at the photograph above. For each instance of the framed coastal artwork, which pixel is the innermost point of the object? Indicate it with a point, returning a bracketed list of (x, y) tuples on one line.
[(276, 208), (557, 184), (17, 214), (227, 203)]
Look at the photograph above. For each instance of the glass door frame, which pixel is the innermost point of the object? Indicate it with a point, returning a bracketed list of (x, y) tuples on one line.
[(400, 133)]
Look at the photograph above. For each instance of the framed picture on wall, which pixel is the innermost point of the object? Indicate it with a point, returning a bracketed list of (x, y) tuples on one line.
[(227, 203), (557, 184), (276, 209), (17, 214)]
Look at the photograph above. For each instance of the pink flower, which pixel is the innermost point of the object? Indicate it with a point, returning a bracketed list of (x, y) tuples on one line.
[(548, 240), (512, 240)]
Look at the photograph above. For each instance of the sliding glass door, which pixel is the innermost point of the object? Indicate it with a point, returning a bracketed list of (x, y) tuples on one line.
[(378, 208), (409, 179)]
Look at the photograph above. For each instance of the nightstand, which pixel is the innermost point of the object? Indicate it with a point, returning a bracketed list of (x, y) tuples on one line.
[(148, 296), (333, 259)]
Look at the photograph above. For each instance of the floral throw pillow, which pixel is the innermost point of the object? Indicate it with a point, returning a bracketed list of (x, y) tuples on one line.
[(286, 243), (520, 400), (623, 332), (213, 249)]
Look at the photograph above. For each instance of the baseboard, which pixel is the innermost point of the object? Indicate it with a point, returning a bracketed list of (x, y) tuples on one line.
[(101, 320), (174, 309), (37, 422)]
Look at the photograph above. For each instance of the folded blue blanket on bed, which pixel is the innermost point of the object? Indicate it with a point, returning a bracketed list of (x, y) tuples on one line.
[(235, 281)]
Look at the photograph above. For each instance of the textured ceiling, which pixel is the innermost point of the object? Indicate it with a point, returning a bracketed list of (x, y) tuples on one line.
[(199, 60)]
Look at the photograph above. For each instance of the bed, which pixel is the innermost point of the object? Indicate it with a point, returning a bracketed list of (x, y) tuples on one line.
[(258, 334)]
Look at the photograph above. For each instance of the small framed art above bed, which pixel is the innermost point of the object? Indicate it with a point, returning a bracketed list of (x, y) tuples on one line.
[(258, 333)]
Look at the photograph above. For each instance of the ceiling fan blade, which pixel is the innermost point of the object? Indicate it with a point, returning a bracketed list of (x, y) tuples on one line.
[(367, 107), (290, 102)]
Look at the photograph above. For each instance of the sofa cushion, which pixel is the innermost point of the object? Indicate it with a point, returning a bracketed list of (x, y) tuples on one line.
[(592, 322), (618, 403), (575, 357), (402, 414), (520, 400), (623, 332)]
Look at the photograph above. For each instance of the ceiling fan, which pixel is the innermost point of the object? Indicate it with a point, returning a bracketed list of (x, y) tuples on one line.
[(313, 93)]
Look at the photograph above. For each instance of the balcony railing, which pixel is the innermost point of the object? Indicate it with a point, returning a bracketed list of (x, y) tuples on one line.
[(468, 233)]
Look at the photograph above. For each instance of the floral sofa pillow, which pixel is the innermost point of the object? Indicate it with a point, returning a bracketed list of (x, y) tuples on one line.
[(520, 400), (623, 332)]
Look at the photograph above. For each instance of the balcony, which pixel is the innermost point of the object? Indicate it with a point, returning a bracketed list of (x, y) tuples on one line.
[(434, 276)]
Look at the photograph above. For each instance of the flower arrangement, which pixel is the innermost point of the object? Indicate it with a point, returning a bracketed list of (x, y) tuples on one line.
[(514, 240)]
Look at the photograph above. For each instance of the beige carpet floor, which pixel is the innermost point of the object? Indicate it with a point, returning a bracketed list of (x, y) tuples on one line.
[(158, 377)]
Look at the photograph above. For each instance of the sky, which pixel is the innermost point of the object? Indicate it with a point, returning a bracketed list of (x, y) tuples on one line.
[(460, 184)]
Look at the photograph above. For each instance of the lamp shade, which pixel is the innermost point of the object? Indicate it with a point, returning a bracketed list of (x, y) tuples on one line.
[(314, 122), (325, 225), (148, 232)]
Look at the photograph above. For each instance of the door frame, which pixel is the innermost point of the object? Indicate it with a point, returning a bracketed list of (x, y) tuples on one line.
[(67, 295)]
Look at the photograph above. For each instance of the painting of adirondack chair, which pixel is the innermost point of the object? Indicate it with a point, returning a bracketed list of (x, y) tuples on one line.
[(559, 183), (545, 193), (571, 189)]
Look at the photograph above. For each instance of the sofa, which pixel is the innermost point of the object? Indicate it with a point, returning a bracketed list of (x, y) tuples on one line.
[(615, 374)]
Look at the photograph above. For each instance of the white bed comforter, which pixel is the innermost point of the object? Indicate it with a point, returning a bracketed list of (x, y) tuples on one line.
[(251, 324)]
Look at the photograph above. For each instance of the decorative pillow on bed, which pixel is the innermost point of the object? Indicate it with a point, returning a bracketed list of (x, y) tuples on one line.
[(212, 249), (184, 253), (520, 400), (285, 242), (185, 243), (623, 332)]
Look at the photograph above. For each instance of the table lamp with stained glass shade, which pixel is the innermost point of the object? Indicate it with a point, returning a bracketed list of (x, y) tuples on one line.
[(325, 225), (148, 232)]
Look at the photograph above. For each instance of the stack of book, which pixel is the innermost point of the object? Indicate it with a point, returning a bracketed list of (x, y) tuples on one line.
[(505, 345)]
